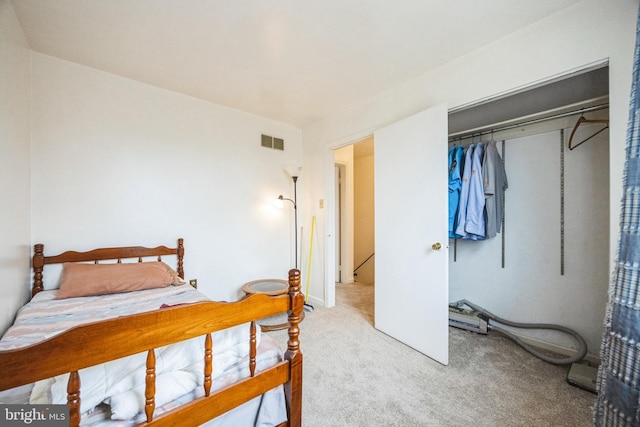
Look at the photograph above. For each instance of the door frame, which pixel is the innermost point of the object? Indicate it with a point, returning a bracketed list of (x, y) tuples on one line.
[(340, 213)]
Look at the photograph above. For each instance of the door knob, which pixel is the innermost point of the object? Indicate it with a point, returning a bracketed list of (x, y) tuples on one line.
[(436, 246)]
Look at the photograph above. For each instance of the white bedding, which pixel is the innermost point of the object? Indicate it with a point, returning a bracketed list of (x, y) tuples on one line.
[(120, 384)]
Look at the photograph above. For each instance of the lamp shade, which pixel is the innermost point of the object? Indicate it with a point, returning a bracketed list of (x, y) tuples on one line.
[(293, 170)]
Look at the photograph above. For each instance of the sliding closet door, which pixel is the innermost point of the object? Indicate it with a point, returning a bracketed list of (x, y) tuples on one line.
[(411, 240)]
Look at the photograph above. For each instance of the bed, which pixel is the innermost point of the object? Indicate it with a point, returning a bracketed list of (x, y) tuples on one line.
[(156, 355)]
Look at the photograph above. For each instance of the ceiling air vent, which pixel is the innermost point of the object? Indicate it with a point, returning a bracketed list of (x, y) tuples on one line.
[(272, 142)]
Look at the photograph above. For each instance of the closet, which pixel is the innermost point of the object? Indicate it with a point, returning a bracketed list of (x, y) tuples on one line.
[(550, 263)]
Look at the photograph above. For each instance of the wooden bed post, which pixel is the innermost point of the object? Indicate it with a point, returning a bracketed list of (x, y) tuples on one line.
[(73, 398), (180, 257), (293, 388), (38, 265)]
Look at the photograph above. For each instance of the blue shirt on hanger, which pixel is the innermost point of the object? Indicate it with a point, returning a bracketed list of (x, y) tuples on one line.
[(455, 185), (461, 217), (475, 223)]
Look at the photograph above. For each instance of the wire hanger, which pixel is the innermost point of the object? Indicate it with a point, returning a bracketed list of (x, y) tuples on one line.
[(582, 120)]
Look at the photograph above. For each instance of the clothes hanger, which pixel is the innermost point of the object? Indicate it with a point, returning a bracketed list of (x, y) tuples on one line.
[(582, 120)]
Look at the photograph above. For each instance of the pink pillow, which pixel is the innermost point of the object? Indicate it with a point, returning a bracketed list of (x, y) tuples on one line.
[(79, 280)]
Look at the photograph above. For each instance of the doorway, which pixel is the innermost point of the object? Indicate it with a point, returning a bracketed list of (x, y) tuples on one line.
[(355, 236)]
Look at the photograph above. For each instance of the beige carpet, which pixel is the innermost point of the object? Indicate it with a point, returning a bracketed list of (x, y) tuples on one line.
[(355, 375)]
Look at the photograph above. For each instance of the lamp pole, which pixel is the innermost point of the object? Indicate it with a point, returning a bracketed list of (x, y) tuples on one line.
[(295, 214)]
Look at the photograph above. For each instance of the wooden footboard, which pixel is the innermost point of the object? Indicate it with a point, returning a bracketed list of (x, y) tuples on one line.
[(100, 342)]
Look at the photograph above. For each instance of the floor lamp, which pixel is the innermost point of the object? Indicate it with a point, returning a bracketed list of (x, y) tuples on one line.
[(295, 212)]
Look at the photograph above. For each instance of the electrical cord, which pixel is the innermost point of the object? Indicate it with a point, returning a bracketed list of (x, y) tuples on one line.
[(582, 345)]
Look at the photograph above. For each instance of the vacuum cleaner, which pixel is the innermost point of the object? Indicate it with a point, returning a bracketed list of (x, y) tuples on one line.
[(471, 317)]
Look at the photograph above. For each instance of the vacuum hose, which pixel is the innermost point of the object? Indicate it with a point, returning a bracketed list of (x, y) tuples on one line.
[(582, 345)]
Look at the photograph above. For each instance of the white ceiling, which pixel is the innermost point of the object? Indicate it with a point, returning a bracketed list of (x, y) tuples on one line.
[(295, 61)]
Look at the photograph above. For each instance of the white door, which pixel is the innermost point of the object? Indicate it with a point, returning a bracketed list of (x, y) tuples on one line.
[(411, 221)]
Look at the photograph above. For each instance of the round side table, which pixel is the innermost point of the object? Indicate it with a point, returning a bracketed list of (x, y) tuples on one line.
[(273, 287)]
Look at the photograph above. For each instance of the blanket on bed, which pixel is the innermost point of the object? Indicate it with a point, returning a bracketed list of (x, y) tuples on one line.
[(120, 383)]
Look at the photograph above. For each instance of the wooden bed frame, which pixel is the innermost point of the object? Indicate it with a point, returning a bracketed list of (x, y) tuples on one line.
[(99, 342)]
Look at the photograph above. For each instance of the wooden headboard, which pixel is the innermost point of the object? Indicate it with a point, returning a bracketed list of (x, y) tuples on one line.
[(126, 252)]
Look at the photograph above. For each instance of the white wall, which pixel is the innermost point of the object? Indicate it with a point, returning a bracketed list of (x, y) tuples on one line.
[(116, 162), (14, 165), (531, 286), (586, 33), (364, 230)]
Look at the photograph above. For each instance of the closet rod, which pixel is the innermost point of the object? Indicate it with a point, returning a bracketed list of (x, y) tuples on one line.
[(501, 126)]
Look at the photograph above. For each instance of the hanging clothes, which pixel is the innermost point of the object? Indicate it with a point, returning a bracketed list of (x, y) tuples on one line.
[(477, 183), (475, 224), (461, 217), (495, 183), (470, 217), (455, 184), (617, 402)]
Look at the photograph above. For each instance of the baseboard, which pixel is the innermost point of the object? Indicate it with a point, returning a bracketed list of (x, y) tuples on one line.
[(565, 351), (315, 302)]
